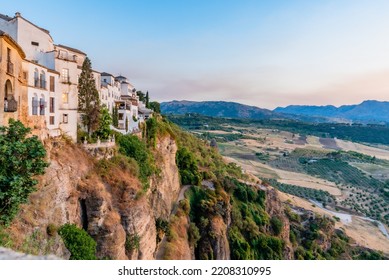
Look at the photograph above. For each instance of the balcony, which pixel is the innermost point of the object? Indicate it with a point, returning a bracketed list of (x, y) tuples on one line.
[(65, 80), (67, 57), (10, 68), (126, 107), (39, 83), (10, 106)]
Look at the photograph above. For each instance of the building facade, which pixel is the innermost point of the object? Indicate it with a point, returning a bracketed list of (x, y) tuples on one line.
[(13, 79), (39, 82)]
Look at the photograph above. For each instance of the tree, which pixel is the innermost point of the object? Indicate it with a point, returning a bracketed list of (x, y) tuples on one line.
[(79, 243), (141, 95), (88, 98), (21, 158), (104, 130), (115, 116), (147, 100), (155, 106)]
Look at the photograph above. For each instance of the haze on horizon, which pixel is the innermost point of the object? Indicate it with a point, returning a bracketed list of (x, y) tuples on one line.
[(261, 53)]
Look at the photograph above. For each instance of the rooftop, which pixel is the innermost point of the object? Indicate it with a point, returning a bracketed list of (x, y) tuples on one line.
[(5, 17), (71, 49), (106, 74)]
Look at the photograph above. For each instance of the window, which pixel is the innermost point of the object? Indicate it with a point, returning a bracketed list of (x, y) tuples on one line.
[(36, 78), (65, 75), (52, 103), (65, 118), (35, 43), (43, 80), (52, 83), (42, 106), (65, 97), (35, 104), (52, 120)]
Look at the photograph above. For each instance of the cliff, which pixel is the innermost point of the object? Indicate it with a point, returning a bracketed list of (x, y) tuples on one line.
[(106, 200)]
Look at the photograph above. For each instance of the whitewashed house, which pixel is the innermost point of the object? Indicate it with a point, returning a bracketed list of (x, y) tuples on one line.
[(51, 78), (68, 62), (110, 91)]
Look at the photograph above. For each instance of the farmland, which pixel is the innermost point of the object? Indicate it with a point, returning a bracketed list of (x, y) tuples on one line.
[(305, 162)]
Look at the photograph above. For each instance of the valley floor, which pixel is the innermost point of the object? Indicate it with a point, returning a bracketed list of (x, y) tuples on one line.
[(271, 154)]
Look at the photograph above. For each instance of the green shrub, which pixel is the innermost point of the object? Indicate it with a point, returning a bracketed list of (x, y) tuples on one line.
[(131, 146), (276, 225), (132, 242), (21, 158), (187, 165), (193, 234), (80, 244), (105, 120)]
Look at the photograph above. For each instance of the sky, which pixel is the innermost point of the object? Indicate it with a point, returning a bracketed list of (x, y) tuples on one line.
[(262, 53)]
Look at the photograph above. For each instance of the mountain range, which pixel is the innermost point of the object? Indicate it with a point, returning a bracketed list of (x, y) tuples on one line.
[(368, 111), (218, 109)]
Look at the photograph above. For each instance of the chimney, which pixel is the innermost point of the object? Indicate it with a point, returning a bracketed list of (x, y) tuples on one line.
[(17, 14)]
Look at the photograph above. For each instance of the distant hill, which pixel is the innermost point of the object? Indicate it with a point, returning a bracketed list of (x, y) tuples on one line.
[(218, 109), (367, 111)]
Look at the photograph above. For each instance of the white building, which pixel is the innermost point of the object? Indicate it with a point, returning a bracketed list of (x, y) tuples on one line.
[(68, 62), (57, 91), (52, 87), (110, 91), (42, 83)]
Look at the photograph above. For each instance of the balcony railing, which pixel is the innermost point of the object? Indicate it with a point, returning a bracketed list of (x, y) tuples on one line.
[(39, 83), (10, 106), (127, 107), (67, 57), (65, 80), (10, 68)]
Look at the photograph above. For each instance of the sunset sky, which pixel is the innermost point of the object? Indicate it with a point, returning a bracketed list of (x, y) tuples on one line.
[(262, 53)]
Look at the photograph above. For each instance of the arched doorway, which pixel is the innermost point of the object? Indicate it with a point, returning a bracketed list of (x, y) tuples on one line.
[(10, 104)]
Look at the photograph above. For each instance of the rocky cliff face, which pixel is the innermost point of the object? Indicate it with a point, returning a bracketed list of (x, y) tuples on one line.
[(220, 246), (165, 188), (275, 208), (112, 208)]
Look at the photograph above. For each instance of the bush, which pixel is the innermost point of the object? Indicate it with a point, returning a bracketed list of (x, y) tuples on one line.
[(276, 225), (187, 165), (131, 146), (132, 242), (105, 120), (21, 158), (78, 242), (193, 234)]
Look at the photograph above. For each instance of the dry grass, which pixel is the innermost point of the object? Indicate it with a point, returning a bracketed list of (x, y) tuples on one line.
[(363, 149), (363, 232), (177, 246)]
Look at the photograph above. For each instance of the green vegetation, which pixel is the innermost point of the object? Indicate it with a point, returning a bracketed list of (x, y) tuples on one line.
[(376, 134), (115, 116), (132, 242), (156, 107), (78, 242), (368, 194), (248, 236), (88, 98), (103, 130), (187, 165), (307, 193), (131, 146), (21, 158)]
